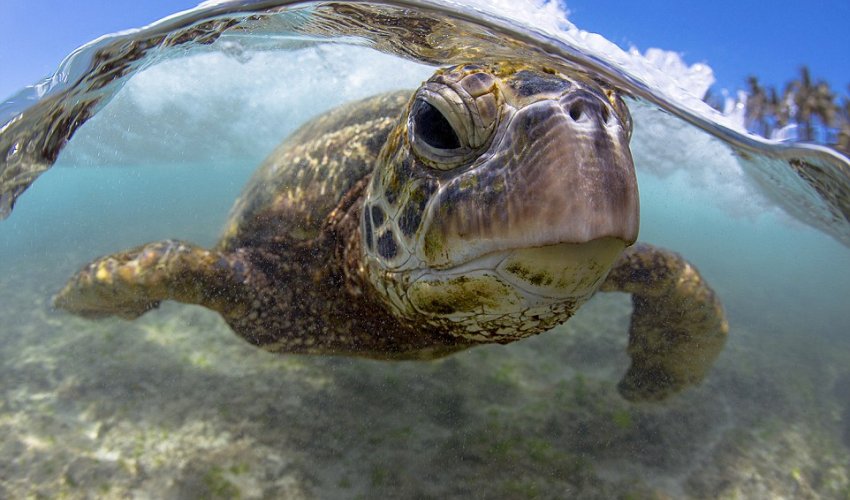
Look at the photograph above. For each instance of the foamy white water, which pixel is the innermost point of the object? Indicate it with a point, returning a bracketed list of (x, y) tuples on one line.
[(245, 78)]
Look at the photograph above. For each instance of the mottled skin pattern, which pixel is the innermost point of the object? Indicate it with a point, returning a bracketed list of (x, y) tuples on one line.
[(677, 324), (485, 208)]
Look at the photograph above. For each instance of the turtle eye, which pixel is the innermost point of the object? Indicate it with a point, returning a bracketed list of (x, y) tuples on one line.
[(447, 126), (432, 127)]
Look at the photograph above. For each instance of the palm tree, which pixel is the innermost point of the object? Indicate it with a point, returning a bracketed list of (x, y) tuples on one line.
[(803, 97), (778, 108), (757, 107), (843, 142), (825, 108), (812, 106)]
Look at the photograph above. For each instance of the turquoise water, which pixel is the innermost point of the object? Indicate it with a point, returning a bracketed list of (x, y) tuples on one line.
[(769, 269), (534, 418), (173, 405), (778, 270)]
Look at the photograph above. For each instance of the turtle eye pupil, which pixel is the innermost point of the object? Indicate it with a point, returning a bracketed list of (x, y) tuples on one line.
[(432, 127)]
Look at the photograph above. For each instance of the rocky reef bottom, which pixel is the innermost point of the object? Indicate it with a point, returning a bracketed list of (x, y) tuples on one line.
[(175, 406)]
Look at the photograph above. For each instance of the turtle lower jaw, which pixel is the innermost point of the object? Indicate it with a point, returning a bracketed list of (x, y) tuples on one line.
[(563, 270), (515, 280)]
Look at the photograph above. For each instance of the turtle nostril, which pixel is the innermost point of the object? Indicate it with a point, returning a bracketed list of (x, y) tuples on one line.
[(576, 110)]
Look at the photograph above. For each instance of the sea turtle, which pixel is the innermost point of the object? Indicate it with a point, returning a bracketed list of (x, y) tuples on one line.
[(484, 207)]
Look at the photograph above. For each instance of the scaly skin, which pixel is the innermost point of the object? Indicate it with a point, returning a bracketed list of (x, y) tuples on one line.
[(678, 327), (303, 297), (485, 208)]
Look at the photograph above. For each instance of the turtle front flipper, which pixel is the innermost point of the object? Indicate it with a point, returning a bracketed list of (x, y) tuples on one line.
[(130, 283), (677, 328)]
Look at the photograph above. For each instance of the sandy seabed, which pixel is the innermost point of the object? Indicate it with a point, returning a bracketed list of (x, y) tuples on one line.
[(173, 405)]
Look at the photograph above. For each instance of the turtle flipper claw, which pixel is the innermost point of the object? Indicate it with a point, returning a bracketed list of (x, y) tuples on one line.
[(678, 326), (129, 283)]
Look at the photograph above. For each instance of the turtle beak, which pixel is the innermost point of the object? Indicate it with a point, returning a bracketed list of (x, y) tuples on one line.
[(558, 171)]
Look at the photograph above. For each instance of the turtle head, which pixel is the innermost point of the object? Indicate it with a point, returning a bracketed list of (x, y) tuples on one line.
[(500, 201)]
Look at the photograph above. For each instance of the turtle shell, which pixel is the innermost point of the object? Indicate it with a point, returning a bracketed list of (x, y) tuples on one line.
[(304, 178)]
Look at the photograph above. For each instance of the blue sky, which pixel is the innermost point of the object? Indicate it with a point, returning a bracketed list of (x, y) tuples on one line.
[(734, 38)]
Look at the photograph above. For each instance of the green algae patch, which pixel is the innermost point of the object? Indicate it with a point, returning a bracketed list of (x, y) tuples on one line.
[(464, 294)]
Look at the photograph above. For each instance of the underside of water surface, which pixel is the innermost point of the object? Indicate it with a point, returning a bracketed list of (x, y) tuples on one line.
[(153, 134)]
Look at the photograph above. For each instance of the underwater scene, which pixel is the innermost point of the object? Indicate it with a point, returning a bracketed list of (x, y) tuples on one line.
[(383, 363)]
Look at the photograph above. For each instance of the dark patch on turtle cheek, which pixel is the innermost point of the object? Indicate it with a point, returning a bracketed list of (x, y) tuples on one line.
[(403, 172), (405, 169), (378, 215), (387, 247), (370, 240), (411, 217), (391, 195)]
